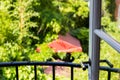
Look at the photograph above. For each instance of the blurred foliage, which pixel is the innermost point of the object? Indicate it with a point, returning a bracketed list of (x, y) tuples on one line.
[(83, 35), (45, 53), (25, 73), (25, 23), (27, 27), (108, 8)]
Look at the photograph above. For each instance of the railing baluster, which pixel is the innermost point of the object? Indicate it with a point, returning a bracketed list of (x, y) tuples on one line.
[(17, 77), (109, 75), (119, 76), (72, 73), (35, 71), (53, 70)]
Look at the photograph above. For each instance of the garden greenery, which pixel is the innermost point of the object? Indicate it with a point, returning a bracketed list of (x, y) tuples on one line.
[(27, 27)]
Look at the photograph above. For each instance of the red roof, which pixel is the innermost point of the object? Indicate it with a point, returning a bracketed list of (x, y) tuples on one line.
[(66, 43)]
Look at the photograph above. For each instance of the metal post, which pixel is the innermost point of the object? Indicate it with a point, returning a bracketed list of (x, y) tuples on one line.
[(94, 40)]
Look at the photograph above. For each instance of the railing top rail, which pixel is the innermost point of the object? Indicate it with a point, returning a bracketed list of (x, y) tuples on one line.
[(7, 64), (104, 68), (65, 64)]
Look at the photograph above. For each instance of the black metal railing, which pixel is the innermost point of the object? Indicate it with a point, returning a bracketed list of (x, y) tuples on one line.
[(109, 69), (83, 65), (35, 64)]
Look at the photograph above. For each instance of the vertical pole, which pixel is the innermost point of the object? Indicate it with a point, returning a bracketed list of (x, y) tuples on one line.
[(94, 40)]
